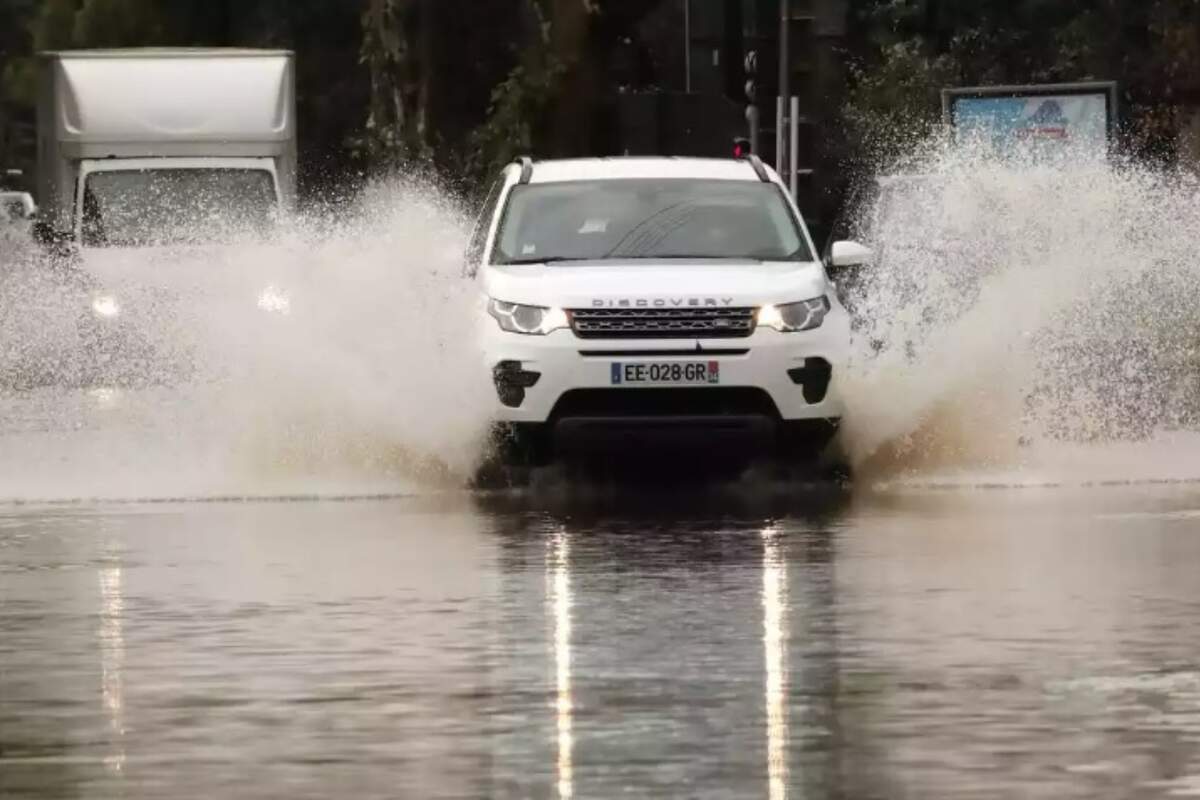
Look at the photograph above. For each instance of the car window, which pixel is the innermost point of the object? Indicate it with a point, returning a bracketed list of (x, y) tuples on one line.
[(643, 218)]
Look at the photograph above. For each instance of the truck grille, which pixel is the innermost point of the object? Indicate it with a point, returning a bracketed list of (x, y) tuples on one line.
[(662, 323)]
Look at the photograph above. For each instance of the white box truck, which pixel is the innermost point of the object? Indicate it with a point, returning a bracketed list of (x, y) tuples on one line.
[(162, 175), (145, 147)]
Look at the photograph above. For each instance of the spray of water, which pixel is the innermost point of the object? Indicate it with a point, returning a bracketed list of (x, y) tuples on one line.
[(337, 357), (1030, 321), (1024, 315)]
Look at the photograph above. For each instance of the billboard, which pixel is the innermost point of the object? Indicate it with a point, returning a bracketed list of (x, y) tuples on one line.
[(1062, 119)]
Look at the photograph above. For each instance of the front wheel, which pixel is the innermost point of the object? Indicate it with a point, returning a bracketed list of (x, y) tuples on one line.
[(513, 451), (522, 444)]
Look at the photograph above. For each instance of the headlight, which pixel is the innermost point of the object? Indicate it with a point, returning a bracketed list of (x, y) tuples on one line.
[(802, 316), (532, 320), (105, 305)]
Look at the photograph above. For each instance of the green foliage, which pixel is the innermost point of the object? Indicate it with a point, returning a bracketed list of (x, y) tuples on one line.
[(54, 27), (120, 23), (896, 101), (912, 48), (396, 133), (518, 106)]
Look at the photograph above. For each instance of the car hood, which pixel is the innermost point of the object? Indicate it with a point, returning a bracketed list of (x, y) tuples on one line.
[(663, 284)]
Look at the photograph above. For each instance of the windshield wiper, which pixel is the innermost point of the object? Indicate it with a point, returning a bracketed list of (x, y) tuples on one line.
[(685, 257), (547, 260)]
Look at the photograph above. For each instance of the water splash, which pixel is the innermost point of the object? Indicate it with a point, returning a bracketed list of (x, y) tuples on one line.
[(337, 357), (1019, 310), (1030, 322)]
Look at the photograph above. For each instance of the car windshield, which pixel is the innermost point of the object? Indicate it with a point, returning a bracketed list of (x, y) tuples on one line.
[(648, 219), (176, 206)]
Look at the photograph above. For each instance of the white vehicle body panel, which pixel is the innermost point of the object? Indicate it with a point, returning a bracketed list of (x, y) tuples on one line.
[(558, 357), (567, 361)]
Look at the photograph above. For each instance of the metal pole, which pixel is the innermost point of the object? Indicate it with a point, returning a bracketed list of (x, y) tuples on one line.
[(779, 135), (752, 117), (687, 46), (784, 55), (785, 64), (794, 120)]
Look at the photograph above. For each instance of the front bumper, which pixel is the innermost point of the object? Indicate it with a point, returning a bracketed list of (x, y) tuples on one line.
[(799, 372)]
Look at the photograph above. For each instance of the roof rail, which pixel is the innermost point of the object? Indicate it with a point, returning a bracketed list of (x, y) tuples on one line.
[(759, 169), (526, 168)]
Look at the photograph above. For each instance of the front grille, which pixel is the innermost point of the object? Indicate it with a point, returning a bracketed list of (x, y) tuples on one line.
[(662, 323), (665, 402)]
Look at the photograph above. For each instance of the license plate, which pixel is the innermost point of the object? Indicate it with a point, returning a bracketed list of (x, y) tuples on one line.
[(666, 373)]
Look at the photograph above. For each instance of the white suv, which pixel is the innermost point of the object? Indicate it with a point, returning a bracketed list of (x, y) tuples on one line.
[(676, 300)]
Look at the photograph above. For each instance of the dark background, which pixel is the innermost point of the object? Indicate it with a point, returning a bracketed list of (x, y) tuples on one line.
[(459, 87)]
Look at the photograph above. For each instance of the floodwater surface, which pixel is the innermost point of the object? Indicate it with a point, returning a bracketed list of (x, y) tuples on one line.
[(903, 643)]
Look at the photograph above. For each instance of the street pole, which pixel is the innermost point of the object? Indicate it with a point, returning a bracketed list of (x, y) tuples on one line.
[(752, 119), (779, 140), (687, 46), (794, 154), (781, 161)]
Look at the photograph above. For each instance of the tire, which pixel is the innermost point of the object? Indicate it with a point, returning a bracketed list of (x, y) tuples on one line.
[(811, 449), (513, 452), (523, 444)]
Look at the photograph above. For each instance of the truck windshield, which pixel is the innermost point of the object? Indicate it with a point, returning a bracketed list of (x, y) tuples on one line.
[(176, 206), (648, 219)]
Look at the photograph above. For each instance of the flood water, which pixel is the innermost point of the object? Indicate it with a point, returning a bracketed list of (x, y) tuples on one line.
[(812, 643)]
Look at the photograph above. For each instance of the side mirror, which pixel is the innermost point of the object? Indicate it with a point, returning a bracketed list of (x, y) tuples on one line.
[(42, 232), (45, 234), (850, 254)]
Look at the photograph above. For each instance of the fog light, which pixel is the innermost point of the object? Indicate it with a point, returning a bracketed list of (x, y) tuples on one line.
[(813, 378), (511, 382)]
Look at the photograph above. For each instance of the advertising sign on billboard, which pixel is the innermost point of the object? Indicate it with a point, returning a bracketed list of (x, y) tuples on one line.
[(1075, 119)]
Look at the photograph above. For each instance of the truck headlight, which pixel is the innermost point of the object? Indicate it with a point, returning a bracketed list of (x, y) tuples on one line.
[(531, 320), (274, 300), (803, 316), (106, 306)]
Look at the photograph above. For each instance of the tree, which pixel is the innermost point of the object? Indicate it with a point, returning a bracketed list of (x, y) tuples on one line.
[(907, 50), (398, 51), (120, 23)]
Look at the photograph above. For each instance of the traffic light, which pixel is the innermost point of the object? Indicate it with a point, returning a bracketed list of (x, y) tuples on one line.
[(745, 146), (750, 69)]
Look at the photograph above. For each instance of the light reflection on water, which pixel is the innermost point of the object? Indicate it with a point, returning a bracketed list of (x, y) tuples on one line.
[(559, 592), (112, 662), (775, 642)]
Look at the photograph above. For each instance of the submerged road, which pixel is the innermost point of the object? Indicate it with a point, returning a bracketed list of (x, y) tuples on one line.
[(923, 643)]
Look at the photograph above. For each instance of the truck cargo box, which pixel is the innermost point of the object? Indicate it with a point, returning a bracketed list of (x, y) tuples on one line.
[(191, 103)]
